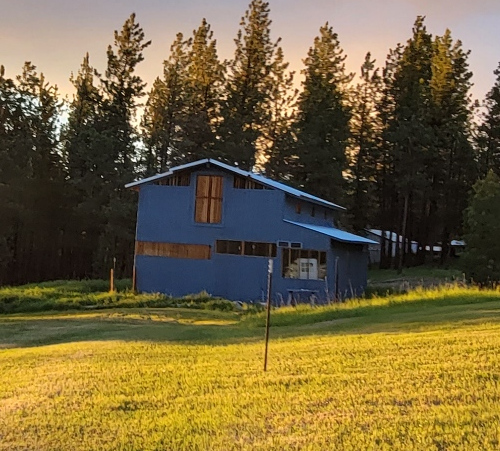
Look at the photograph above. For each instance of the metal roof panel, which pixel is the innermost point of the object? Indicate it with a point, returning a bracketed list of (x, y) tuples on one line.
[(257, 177), (336, 234)]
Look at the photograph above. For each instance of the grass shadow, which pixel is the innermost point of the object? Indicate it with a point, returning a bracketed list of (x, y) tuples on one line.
[(436, 309)]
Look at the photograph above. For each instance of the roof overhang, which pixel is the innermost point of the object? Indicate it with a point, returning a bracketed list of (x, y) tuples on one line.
[(256, 177), (336, 234)]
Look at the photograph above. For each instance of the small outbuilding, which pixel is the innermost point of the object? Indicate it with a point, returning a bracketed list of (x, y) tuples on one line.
[(208, 226)]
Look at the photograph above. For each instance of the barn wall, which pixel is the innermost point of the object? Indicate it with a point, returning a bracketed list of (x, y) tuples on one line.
[(166, 214)]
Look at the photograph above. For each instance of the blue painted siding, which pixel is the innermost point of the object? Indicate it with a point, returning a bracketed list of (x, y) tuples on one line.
[(305, 214), (166, 214)]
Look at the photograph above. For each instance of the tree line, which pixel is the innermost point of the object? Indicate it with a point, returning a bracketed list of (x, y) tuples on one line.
[(400, 145)]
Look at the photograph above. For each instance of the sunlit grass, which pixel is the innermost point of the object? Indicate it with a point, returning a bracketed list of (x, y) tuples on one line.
[(95, 294), (412, 372)]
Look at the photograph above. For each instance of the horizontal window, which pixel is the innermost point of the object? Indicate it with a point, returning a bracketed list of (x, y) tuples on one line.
[(228, 247), (250, 248), (303, 264), (176, 180), (173, 250), (247, 183)]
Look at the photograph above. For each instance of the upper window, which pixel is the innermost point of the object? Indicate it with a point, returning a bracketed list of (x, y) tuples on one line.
[(176, 180), (208, 206), (247, 183)]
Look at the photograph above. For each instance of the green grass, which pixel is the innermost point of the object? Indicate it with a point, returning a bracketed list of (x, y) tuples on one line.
[(94, 294), (411, 372)]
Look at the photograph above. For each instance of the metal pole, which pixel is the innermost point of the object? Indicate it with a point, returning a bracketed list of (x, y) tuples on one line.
[(268, 319)]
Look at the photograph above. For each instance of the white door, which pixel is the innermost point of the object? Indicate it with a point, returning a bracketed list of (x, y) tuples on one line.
[(308, 268)]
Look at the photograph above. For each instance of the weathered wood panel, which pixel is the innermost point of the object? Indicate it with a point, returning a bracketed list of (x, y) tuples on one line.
[(208, 205), (173, 250)]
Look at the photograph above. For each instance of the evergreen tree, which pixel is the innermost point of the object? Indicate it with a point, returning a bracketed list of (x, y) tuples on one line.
[(165, 110), (122, 88), (278, 134), (33, 179), (489, 131), (481, 261), (249, 87), (322, 125), (204, 82), (410, 130), (453, 160), (90, 170), (364, 145)]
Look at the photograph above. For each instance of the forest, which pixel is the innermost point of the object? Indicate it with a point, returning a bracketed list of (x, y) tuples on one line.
[(400, 145)]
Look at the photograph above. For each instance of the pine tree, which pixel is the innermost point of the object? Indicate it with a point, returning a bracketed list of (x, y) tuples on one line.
[(34, 195), (453, 160), (90, 170), (165, 112), (14, 140), (489, 131), (278, 134), (204, 82), (409, 131), (364, 145), (122, 88), (481, 261), (322, 125), (249, 87)]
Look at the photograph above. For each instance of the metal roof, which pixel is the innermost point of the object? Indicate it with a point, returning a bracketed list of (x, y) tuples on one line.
[(336, 234), (258, 178)]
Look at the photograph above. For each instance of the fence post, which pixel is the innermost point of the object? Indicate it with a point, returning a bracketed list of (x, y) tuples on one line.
[(268, 319)]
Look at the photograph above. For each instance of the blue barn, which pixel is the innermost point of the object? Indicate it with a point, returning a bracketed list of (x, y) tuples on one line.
[(213, 227)]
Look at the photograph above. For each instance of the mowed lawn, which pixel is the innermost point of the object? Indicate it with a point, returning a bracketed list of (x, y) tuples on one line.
[(414, 372)]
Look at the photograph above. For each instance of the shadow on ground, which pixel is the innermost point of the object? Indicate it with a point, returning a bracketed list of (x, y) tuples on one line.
[(223, 328)]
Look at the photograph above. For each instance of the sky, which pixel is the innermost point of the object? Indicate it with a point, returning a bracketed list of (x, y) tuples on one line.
[(55, 34)]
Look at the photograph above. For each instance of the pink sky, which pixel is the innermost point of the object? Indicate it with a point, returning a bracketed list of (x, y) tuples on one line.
[(55, 34)]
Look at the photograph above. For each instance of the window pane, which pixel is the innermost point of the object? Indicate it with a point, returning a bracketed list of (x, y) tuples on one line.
[(228, 247), (303, 264), (257, 249)]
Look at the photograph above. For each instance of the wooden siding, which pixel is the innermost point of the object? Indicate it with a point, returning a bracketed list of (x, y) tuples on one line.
[(208, 207), (173, 250)]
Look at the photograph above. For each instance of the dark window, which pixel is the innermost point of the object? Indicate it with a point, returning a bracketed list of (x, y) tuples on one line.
[(303, 264), (296, 245), (260, 249), (176, 180), (208, 206), (283, 244), (251, 248), (228, 247), (298, 208), (247, 183)]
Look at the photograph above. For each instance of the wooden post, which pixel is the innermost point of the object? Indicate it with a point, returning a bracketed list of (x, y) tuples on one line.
[(268, 319), (337, 279), (112, 280), (134, 286)]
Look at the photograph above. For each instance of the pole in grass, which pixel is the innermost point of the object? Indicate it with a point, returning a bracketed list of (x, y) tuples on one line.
[(268, 319)]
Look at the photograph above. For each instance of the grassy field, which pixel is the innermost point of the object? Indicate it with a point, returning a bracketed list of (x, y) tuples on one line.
[(413, 372), (94, 295), (380, 280)]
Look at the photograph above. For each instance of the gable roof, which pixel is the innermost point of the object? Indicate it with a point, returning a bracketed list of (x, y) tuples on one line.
[(256, 177), (336, 234)]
